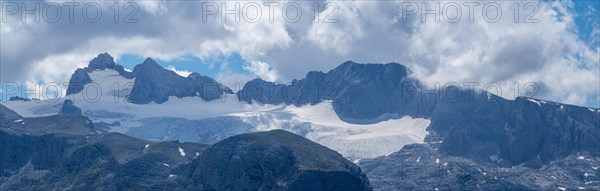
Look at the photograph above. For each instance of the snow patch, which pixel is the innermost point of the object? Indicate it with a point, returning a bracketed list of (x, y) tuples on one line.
[(561, 188), (437, 161), (418, 159), (588, 174), (19, 120), (165, 164), (147, 145), (581, 158), (534, 101), (181, 151)]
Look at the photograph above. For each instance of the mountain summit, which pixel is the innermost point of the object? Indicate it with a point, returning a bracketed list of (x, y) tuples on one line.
[(153, 83), (101, 62)]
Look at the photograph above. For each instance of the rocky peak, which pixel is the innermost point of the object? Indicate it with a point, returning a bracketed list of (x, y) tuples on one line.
[(150, 67), (153, 83), (101, 62), (78, 81), (105, 61)]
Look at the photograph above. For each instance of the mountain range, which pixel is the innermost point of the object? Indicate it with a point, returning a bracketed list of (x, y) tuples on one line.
[(368, 125)]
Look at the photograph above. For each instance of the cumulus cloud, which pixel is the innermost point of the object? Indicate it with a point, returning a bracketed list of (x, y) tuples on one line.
[(263, 70), (548, 52)]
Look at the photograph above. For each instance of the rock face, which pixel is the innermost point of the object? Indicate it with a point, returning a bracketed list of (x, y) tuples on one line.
[(153, 83), (208, 88), (105, 61), (101, 62), (518, 132), (78, 81), (7, 116), (98, 162), (274, 160), (358, 91), (69, 108), (63, 151)]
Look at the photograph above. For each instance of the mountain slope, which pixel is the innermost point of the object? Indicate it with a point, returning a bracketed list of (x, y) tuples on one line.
[(424, 167), (272, 160), (8, 116), (48, 158), (470, 122)]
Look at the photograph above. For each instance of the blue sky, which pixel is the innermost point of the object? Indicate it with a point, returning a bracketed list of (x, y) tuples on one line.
[(209, 67)]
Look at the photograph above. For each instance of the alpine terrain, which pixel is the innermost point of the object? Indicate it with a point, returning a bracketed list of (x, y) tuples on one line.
[(354, 127)]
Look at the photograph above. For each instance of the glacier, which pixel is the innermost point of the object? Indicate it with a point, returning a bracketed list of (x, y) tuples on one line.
[(191, 119)]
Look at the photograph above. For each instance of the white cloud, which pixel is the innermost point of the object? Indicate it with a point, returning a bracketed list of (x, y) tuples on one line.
[(263, 70), (548, 52), (507, 52), (154, 7), (341, 35), (183, 73)]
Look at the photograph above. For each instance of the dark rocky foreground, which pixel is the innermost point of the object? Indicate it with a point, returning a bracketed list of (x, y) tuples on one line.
[(424, 167), (273, 160), (64, 152)]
